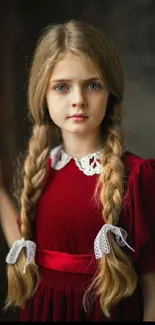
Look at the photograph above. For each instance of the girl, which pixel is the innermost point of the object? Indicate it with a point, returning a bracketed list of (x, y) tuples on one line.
[(86, 246)]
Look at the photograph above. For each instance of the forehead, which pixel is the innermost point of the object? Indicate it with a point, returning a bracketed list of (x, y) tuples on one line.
[(73, 66)]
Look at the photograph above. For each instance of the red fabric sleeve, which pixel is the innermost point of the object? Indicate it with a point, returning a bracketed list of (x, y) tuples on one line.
[(142, 184)]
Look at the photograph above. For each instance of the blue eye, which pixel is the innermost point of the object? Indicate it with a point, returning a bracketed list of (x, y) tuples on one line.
[(61, 87), (93, 86)]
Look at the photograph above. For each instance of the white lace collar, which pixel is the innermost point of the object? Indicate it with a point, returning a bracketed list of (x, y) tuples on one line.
[(89, 165)]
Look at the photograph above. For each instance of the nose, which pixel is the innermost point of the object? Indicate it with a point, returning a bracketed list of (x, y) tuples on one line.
[(79, 98)]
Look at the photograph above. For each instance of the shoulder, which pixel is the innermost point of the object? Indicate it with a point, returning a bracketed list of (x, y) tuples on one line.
[(54, 155), (52, 159), (50, 163), (137, 166), (140, 179)]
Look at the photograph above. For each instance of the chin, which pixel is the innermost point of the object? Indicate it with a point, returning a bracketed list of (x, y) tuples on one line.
[(79, 132)]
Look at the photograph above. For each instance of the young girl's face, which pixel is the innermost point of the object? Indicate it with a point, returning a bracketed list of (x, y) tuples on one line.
[(76, 96)]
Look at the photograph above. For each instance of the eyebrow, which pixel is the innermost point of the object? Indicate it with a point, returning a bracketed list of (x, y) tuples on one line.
[(69, 80)]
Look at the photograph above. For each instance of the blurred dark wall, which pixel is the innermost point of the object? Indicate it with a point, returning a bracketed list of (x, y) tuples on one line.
[(131, 24), (7, 130)]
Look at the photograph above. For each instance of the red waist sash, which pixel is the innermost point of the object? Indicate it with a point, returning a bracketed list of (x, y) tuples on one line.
[(65, 262)]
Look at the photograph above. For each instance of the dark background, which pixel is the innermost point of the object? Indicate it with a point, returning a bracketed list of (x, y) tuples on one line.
[(131, 24)]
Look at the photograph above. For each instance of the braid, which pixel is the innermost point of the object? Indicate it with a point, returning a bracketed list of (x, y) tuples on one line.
[(112, 177), (116, 267), (21, 288), (35, 171)]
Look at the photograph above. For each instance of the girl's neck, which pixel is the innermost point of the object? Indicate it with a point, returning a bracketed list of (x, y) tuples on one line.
[(78, 146)]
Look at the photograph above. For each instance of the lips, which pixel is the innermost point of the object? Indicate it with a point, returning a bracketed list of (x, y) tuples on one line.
[(78, 115)]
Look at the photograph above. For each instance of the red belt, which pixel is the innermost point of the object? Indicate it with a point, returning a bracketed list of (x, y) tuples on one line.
[(65, 262)]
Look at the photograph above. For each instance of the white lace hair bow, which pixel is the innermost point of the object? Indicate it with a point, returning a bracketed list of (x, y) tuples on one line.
[(101, 243), (16, 249)]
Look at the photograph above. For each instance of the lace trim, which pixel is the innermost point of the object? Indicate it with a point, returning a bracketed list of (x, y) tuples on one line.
[(101, 243), (15, 250), (89, 165)]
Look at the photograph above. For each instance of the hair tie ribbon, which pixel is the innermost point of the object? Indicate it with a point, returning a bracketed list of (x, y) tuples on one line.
[(15, 250), (101, 243)]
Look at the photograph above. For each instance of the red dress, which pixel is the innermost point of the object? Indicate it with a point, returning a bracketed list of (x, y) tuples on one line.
[(67, 222)]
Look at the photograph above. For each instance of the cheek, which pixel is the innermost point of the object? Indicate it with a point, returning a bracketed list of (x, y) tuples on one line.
[(56, 117), (101, 114), (57, 103), (53, 106), (102, 105), (100, 110), (55, 114)]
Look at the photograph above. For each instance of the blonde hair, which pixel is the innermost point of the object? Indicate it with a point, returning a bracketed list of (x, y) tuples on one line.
[(116, 277)]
